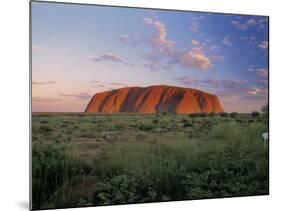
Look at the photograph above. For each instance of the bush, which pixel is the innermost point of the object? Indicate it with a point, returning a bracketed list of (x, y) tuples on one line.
[(255, 114), (223, 114), (51, 169), (194, 115), (145, 127), (231, 162), (187, 124), (184, 120), (155, 121), (239, 120), (233, 114), (265, 108), (44, 129), (202, 114), (212, 114)]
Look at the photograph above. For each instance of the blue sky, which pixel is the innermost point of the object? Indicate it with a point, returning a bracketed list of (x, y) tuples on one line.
[(79, 50)]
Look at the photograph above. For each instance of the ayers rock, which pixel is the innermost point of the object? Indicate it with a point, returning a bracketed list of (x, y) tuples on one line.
[(154, 99)]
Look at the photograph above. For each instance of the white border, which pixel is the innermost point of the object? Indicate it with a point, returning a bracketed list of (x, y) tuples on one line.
[(14, 128)]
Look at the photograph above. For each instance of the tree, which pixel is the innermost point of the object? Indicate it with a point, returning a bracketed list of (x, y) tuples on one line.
[(255, 114), (233, 114), (265, 108)]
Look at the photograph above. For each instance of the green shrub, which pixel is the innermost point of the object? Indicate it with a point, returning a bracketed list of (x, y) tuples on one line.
[(223, 114), (51, 170), (44, 129), (203, 114), (155, 121), (184, 120), (233, 114), (211, 114), (213, 159), (146, 127), (255, 114), (230, 162), (194, 114), (187, 124)]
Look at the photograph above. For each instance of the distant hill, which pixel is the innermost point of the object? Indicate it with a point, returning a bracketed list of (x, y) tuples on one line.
[(154, 99)]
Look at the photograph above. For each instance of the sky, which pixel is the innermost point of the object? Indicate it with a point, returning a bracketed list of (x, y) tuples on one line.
[(80, 50)]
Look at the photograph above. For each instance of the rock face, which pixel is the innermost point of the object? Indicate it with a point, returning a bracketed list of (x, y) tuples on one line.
[(154, 99)]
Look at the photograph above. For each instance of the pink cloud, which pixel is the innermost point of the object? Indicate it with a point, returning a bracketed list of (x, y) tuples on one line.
[(226, 41), (195, 23), (245, 25), (36, 47), (164, 50), (80, 95), (148, 21), (124, 38), (195, 42), (160, 39), (215, 48), (45, 100), (263, 45), (43, 82), (195, 58), (263, 72), (108, 57)]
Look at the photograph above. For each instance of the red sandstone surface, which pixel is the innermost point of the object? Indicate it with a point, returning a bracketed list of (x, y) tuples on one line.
[(154, 99)]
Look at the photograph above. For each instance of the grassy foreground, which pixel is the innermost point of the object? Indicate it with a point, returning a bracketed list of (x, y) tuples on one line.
[(90, 160)]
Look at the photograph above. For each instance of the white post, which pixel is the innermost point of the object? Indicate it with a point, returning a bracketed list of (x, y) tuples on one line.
[(265, 138)]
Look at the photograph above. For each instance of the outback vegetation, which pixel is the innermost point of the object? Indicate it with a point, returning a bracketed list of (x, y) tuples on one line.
[(88, 159)]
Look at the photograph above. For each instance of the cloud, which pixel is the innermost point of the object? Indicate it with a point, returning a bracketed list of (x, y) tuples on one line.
[(261, 72), (215, 48), (217, 58), (43, 82), (117, 84), (107, 85), (36, 47), (194, 26), (195, 58), (231, 91), (212, 82), (95, 81), (130, 39), (254, 91), (155, 62), (263, 45), (80, 95), (195, 43), (155, 66), (263, 23), (255, 94), (226, 41), (195, 23), (244, 25), (148, 21), (160, 39), (100, 86), (164, 52), (45, 100), (124, 38), (111, 58), (39, 48)]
